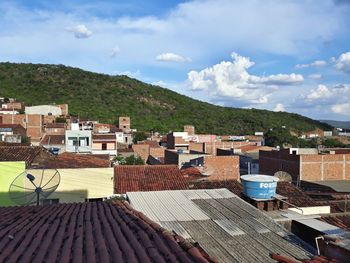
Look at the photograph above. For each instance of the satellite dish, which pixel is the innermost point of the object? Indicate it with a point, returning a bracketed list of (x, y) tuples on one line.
[(31, 187), (283, 176)]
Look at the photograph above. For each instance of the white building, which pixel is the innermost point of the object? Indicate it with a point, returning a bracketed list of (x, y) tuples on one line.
[(78, 141), (47, 110)]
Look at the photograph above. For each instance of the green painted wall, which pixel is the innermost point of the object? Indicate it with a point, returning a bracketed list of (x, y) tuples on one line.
[(8, 172)]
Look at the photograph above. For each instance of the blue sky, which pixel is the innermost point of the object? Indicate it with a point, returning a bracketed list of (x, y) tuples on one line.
[(278, 55)]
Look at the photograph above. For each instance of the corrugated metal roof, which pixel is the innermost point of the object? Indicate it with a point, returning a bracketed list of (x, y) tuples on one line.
[(225, 226), (230, 227)]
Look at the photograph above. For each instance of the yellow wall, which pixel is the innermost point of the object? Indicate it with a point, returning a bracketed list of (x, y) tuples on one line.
[(78, 184), (8, 172)]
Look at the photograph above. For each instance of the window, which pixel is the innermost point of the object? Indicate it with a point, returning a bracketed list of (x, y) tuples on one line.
[(104, 146), (124, 127)]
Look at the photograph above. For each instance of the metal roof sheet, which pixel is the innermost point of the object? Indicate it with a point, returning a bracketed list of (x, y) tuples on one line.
[(230, 227)]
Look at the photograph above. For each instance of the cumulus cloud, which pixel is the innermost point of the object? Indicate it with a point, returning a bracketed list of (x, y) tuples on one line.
[(342, 108), (343, 62), (115, 51), (80, 31), (232, 80), (279, 107), (316, 63), (322, 92), (172, 57), (315, 76)]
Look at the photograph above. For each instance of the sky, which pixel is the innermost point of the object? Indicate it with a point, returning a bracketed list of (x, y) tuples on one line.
[(286, 55)]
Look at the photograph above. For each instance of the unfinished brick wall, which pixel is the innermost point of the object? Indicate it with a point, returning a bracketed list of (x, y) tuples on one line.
[(189, 129), (196, 146), (221, 167), (33, 123), (210, 148), (271, 162), (325, 167)]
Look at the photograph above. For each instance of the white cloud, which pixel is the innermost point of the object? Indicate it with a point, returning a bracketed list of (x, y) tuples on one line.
[(322, 92), (80, 31), (343, 108), (115, 51), (232, 80), (279, 107), (171, 57), (315, 76), (316, 63), (343, 62)]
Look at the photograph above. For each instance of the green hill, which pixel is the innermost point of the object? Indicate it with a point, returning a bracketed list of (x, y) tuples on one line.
[(104, 97)]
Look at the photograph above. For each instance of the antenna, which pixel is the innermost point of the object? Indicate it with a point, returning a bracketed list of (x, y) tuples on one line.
[(31, 187)]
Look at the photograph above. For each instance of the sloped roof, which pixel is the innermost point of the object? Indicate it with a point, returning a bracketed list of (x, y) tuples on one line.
[(341, 221), (226, 227), (74, 160), (295, 195), (106, 136), (152, 144), (20, 153), (136, 178), (233, 185), (88, 232), (53, 140)]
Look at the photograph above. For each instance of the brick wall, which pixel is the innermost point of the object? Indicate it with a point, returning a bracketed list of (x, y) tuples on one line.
[(221, 167), (197, 147), (189, 129), (325, 167), (210, 148), (271, 162), (32, 122)]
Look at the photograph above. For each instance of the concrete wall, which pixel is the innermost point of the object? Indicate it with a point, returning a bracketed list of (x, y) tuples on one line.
[(44, 110), (210, 148), (76, 185), (8, 172)]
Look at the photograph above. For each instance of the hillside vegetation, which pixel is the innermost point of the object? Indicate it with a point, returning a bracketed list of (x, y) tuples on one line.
[(104, 97)]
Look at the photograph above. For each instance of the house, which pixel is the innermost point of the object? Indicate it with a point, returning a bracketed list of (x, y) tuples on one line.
[(33, 123), (54, 141), (148, 148), (12, 133), (55, 128), (89, 232), (48, 110), (125, 124), (79, 141), (8, 111), (15, 105), (104, 143), (226, 227), (31, 155), (214, 167), (307, 164), (147, 178)]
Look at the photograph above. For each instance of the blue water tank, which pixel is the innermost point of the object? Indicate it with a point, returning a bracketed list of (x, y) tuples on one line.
[(258, 186)]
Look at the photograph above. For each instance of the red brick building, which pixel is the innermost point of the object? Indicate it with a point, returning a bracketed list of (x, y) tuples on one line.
[(306, 166)]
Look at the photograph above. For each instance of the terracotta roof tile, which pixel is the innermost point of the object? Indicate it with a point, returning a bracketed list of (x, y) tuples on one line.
[(135, 178), (73, 160), (20, 153), (152, 144), (342, 221), (88, 232), (233, 185), (295, 195), (53, 139), (107, 136)]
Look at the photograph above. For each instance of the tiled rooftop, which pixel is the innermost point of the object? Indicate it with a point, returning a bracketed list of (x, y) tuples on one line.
[(341, 221), (135, 178), (107, 136), (295, 195), (53, 140), (233, 185), (88, 232), (73, 160), (152, 144), (20, 153)]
